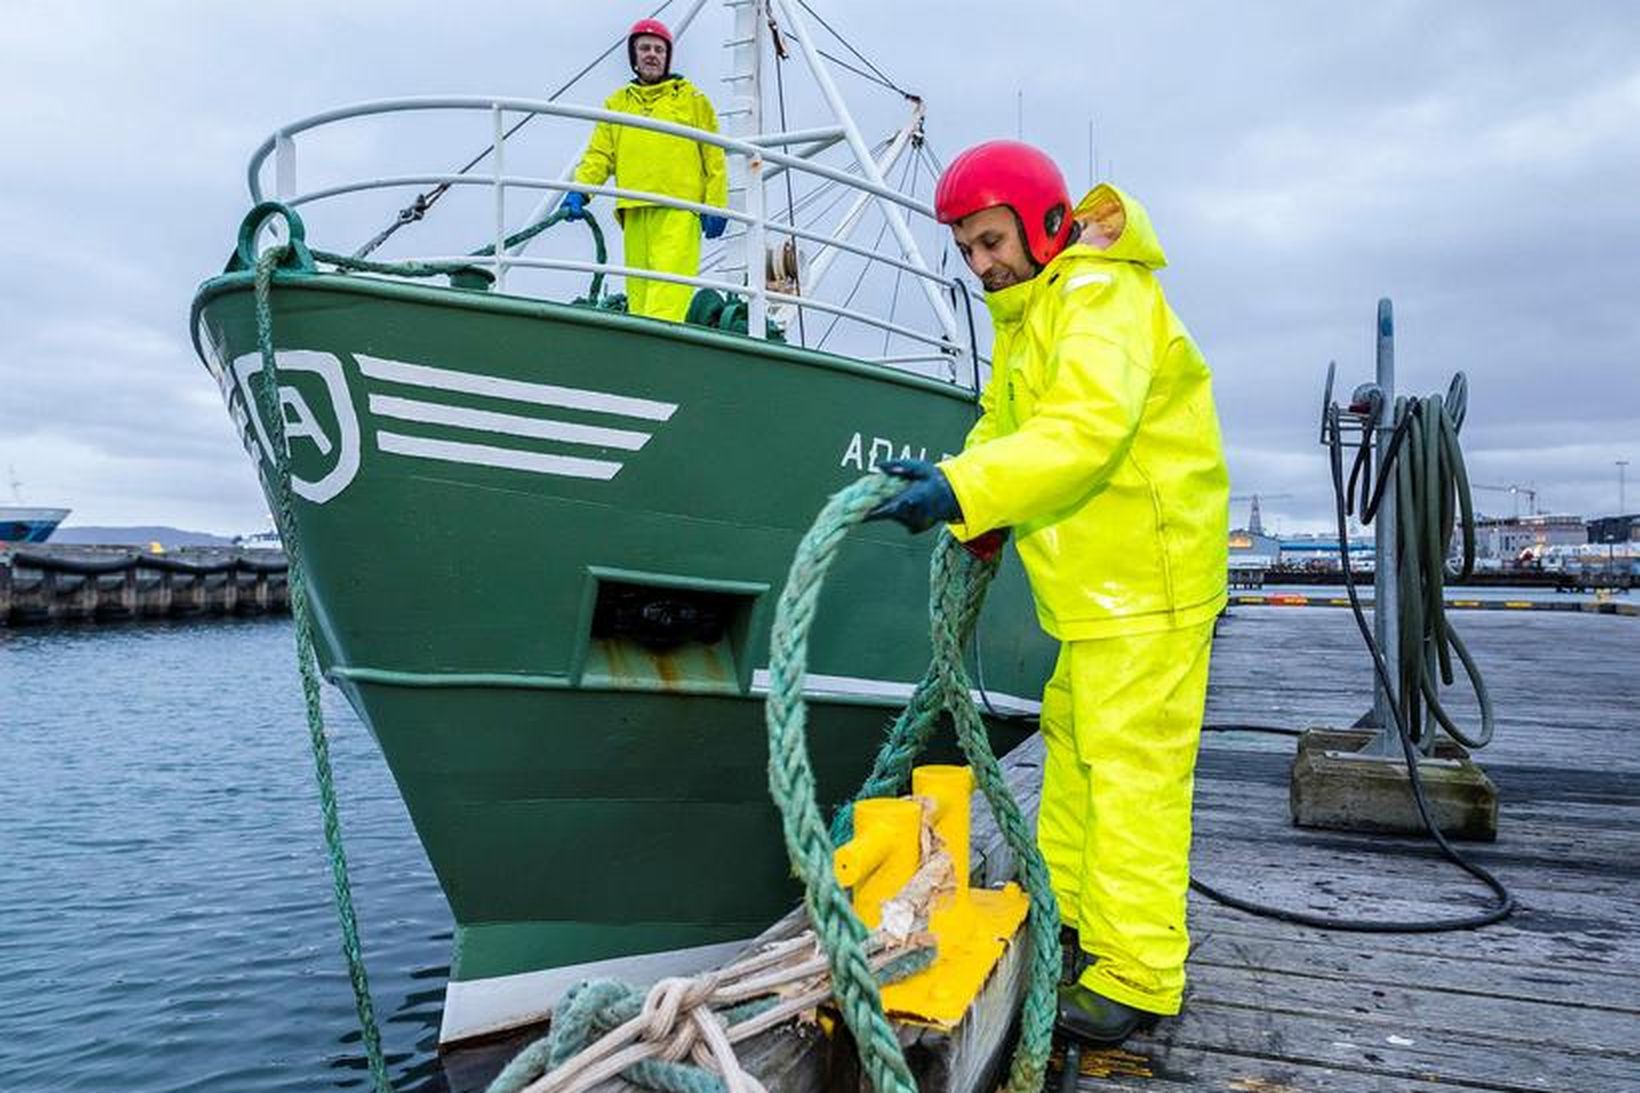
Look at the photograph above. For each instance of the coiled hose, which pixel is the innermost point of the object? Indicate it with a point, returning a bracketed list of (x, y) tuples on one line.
[(1432, 492)]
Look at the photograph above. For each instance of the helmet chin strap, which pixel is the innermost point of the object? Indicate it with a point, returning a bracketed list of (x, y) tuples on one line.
[(1051, 223)]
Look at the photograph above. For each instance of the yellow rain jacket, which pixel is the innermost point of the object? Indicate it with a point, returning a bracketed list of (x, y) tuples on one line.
[(1099, 444), (642, 159)]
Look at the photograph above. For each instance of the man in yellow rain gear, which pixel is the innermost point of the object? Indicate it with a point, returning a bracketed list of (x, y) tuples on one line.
[(657, 237), (1099, 447)]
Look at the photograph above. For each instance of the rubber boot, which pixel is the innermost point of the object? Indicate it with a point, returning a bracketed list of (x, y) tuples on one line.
[(1095, 1019), (1072, 959)]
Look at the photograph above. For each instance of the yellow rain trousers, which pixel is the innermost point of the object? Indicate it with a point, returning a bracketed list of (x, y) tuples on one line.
[(1099, 445), (658, 237), (667, 240), (1121, 718)]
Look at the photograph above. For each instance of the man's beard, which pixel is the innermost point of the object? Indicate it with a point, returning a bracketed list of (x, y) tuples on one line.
[(997, 280)]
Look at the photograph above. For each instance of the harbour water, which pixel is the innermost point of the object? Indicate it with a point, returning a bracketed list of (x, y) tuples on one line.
[(166, 919)]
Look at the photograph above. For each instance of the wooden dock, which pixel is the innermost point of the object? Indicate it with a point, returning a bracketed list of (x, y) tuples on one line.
[(50, 583), (1549, 1000)]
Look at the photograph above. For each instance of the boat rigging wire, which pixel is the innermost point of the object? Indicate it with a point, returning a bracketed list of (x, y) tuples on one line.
[(881, 76), (865, 267), (780, 58)]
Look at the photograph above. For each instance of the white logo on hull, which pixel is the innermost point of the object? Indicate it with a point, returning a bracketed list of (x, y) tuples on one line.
[(302, 423), (397, 416)]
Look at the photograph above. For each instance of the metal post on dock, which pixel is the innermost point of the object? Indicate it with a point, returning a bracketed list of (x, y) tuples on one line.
[(1386, 603)]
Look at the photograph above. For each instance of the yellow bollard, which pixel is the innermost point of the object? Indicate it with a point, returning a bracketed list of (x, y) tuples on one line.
[(882, 856), (951, 789), (972, 927)]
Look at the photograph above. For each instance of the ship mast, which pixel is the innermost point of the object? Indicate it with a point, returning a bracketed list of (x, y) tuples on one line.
[(743, 117)]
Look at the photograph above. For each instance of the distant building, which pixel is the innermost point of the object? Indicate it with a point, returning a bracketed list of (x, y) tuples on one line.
[(1321, 552), (1252, 555), (1507, 539), (1248, 544), (1615, 529)]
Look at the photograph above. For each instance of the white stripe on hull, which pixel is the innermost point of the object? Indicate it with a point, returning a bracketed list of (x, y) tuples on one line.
[(14, 512), (824, 686), (484, 1007), (488, 421), (485, 455), (542, 394)]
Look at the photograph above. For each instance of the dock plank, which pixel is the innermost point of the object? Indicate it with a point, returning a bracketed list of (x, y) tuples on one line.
[(1221, 944), (1253, 1029)]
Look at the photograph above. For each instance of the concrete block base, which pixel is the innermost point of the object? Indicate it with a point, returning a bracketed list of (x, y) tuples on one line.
[(1332, 787)]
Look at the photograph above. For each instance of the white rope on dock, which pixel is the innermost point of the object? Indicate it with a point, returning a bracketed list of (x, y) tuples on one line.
[(679, 1018)]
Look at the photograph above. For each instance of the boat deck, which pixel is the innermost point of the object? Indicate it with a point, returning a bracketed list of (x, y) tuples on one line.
[(1549, 999)]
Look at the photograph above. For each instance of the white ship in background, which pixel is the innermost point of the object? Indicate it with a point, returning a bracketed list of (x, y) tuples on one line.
[(21, 523)]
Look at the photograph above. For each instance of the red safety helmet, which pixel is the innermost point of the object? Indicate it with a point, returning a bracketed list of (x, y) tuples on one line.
[(1006, 172), (647, 26)]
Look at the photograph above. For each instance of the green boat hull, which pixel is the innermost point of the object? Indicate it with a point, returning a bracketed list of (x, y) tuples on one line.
[(543, 545)]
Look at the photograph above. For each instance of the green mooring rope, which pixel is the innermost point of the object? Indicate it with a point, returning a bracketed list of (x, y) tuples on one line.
[(267, 397), (958, 582), (441, 269), (267, 394)]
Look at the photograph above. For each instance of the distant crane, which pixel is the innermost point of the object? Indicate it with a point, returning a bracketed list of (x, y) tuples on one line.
[(1516, 490), (1255, 521)]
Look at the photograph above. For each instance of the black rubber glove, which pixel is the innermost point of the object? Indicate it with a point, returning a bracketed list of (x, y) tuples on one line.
[(927, 501)]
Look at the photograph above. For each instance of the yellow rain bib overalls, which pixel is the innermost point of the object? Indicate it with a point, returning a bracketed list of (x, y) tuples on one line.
[(658, 237), (1099, 446)]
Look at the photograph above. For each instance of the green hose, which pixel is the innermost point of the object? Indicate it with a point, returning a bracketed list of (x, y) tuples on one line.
[(1432, 503), (1432, 496), (600, 251)]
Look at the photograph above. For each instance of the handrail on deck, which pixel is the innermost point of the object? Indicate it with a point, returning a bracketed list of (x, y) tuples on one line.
[(757, 151)]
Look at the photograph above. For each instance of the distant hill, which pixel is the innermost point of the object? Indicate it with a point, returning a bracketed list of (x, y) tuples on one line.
[(169, 538)]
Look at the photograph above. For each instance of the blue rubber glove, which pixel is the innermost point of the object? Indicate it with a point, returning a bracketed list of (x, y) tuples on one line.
[(576, 203), (927, 501), (712, 225)]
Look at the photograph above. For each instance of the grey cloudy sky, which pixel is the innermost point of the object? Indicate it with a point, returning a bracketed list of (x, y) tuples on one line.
[(1478, 162)]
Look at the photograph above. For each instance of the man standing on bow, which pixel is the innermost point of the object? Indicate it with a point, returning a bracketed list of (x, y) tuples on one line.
[(1099, 449), (657, 237)]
